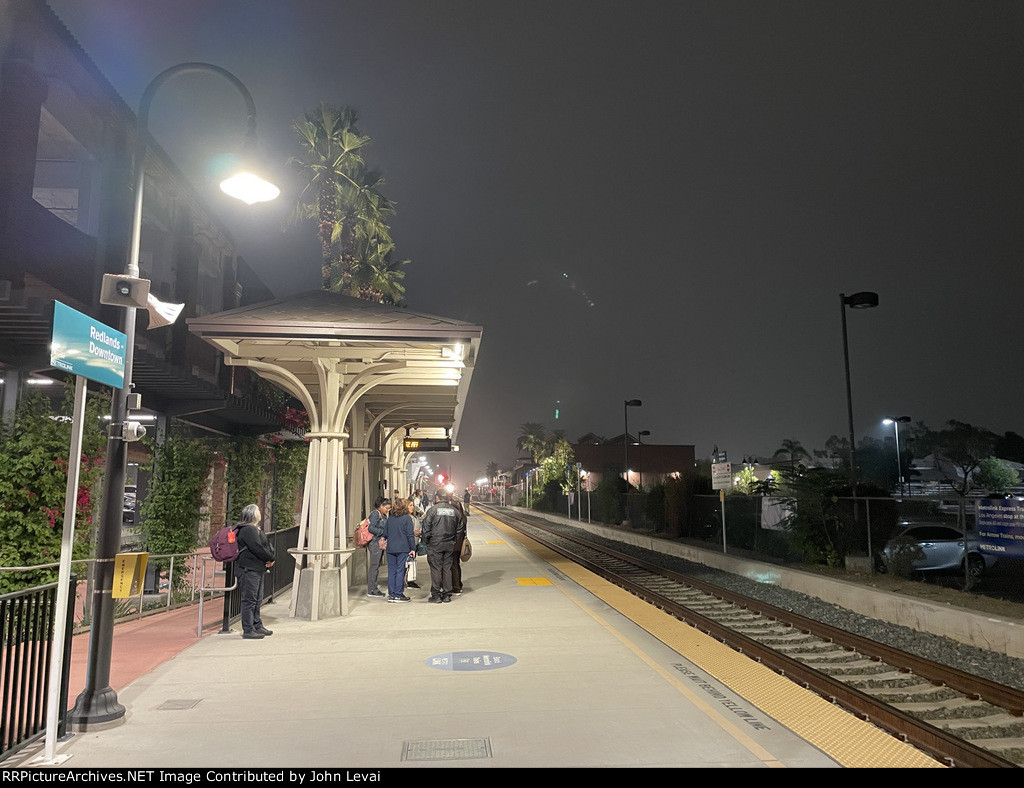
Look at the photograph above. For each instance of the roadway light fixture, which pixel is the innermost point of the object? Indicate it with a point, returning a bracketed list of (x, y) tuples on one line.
[(862, 300), (627, 404), (98, 701), (895, 422)]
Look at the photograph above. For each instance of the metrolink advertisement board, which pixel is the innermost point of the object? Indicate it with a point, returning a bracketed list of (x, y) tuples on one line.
[(1001, 527)]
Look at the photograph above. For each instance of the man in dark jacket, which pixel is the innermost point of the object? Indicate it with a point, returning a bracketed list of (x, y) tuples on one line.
[(255, 557), (442, 527)]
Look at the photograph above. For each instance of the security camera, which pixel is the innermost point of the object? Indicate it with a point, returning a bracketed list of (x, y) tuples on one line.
[(129, 431), (126, 291)]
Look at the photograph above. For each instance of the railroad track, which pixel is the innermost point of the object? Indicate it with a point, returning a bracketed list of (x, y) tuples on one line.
[(958, 718)]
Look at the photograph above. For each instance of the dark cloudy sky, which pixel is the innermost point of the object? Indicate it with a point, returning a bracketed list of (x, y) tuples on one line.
[(658, 200)]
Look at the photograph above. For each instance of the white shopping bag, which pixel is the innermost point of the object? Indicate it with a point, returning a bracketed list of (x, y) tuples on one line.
[(410, 568)]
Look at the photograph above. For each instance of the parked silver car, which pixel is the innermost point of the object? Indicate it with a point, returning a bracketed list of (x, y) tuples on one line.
[(928, 547)]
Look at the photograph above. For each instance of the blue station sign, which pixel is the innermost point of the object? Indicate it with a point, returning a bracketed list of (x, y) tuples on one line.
[(1001, 528), (84, 346)]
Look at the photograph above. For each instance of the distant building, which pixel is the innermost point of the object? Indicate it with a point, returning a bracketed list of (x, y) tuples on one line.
[(649, 464), (66, 146)]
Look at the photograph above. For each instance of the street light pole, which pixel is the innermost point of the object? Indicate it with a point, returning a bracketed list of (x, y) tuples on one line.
[(98, 702), (629, 403), (863, 300), (640, 461), (895, 422)]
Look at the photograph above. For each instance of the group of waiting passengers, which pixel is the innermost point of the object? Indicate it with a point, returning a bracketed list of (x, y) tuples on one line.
[(400, 527)]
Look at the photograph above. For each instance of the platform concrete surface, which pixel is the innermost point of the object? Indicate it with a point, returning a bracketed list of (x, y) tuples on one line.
[(527, 668)]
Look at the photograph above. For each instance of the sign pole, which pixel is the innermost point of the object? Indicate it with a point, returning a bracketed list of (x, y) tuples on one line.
[(64, 576), (721, 497)]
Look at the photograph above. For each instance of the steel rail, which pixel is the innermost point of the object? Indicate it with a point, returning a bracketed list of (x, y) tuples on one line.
[(934, 741)]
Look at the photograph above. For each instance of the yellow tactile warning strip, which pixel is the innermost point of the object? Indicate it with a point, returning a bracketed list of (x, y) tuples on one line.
[(848, 740), (533, 581)]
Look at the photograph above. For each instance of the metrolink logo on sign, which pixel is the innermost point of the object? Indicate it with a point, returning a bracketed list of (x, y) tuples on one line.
[(86, 347)]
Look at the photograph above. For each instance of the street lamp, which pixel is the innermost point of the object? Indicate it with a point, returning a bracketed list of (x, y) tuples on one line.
[(98, 701), (629, 403), (863, 300), (640, 462), (895, 422)]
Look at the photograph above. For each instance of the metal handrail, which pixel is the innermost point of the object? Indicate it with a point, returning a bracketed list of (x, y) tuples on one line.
[(202, 588)]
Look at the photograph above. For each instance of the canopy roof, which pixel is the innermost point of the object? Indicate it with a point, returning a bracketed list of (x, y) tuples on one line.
[(435, 355)]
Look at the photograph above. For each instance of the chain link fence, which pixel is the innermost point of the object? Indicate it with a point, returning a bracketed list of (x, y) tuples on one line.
[(933, 539)]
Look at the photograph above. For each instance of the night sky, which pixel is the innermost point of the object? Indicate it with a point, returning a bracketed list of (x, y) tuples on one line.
[(651, 200)]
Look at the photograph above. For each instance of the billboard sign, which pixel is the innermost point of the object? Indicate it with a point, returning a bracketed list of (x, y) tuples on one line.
[(1001, 528)]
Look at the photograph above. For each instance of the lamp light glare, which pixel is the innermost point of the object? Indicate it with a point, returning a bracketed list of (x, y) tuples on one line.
[(249, 188)]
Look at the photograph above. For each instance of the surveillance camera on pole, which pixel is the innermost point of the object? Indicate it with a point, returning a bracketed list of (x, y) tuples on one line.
[(128, 431)]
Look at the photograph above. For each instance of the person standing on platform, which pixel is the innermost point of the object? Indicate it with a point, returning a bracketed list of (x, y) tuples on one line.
[(457, 553), (255, 557), (443, 526), (374, 554), (399, 530), (465, 502), (417, 511)]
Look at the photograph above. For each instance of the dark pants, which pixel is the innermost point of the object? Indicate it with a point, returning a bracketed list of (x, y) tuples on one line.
[(250, 586), (439, 559), (457, 567), (396, 573), (374, 558)]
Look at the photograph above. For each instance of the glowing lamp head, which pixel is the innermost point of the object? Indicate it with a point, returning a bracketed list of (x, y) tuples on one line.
[(249, 188)]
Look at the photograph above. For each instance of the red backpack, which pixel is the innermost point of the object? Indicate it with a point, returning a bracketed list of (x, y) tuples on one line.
[(362, 536), (224, 544)]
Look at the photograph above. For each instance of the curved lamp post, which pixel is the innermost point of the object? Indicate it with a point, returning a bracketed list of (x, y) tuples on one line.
[(895, 422), (98, 701), (863, 300), (627, 404)]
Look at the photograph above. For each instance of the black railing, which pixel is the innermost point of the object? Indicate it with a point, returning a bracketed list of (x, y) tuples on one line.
[(278, 578), (26, 646)]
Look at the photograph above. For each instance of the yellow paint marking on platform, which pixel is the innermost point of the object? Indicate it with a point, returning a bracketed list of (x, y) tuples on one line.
[(495, 541), (850, 741), (533, 581)]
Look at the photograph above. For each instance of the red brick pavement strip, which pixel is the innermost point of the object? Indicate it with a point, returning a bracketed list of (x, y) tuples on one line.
[(140, 646)]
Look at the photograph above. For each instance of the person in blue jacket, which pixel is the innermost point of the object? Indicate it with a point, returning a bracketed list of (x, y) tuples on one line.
[(400, 531), (374, 555)]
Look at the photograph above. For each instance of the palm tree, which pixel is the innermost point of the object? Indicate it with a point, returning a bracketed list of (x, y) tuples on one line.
[(793, 450), (532, 439), (330, 156), (491, 470), (345, 199)]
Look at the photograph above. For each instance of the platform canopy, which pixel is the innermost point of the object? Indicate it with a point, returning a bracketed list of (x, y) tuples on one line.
[(364, 372)]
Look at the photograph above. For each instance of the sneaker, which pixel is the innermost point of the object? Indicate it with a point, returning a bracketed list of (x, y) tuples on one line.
[(446, 598), (403, 598), (435, 599), (264, 631), (456, 593), (375, 592), (413, 584), (252, 636), (392, 599)]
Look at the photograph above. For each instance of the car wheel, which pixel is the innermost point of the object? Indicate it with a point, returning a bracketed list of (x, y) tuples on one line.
[(975, 565)]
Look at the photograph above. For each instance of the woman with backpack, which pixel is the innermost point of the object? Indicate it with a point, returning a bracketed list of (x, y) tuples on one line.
[(374, 553), (255, 557)]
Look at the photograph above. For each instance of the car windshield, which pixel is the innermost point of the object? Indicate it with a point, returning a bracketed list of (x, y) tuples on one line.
[(923, 533)]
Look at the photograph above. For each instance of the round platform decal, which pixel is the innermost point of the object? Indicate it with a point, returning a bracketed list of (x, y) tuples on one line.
[(471, 660)]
